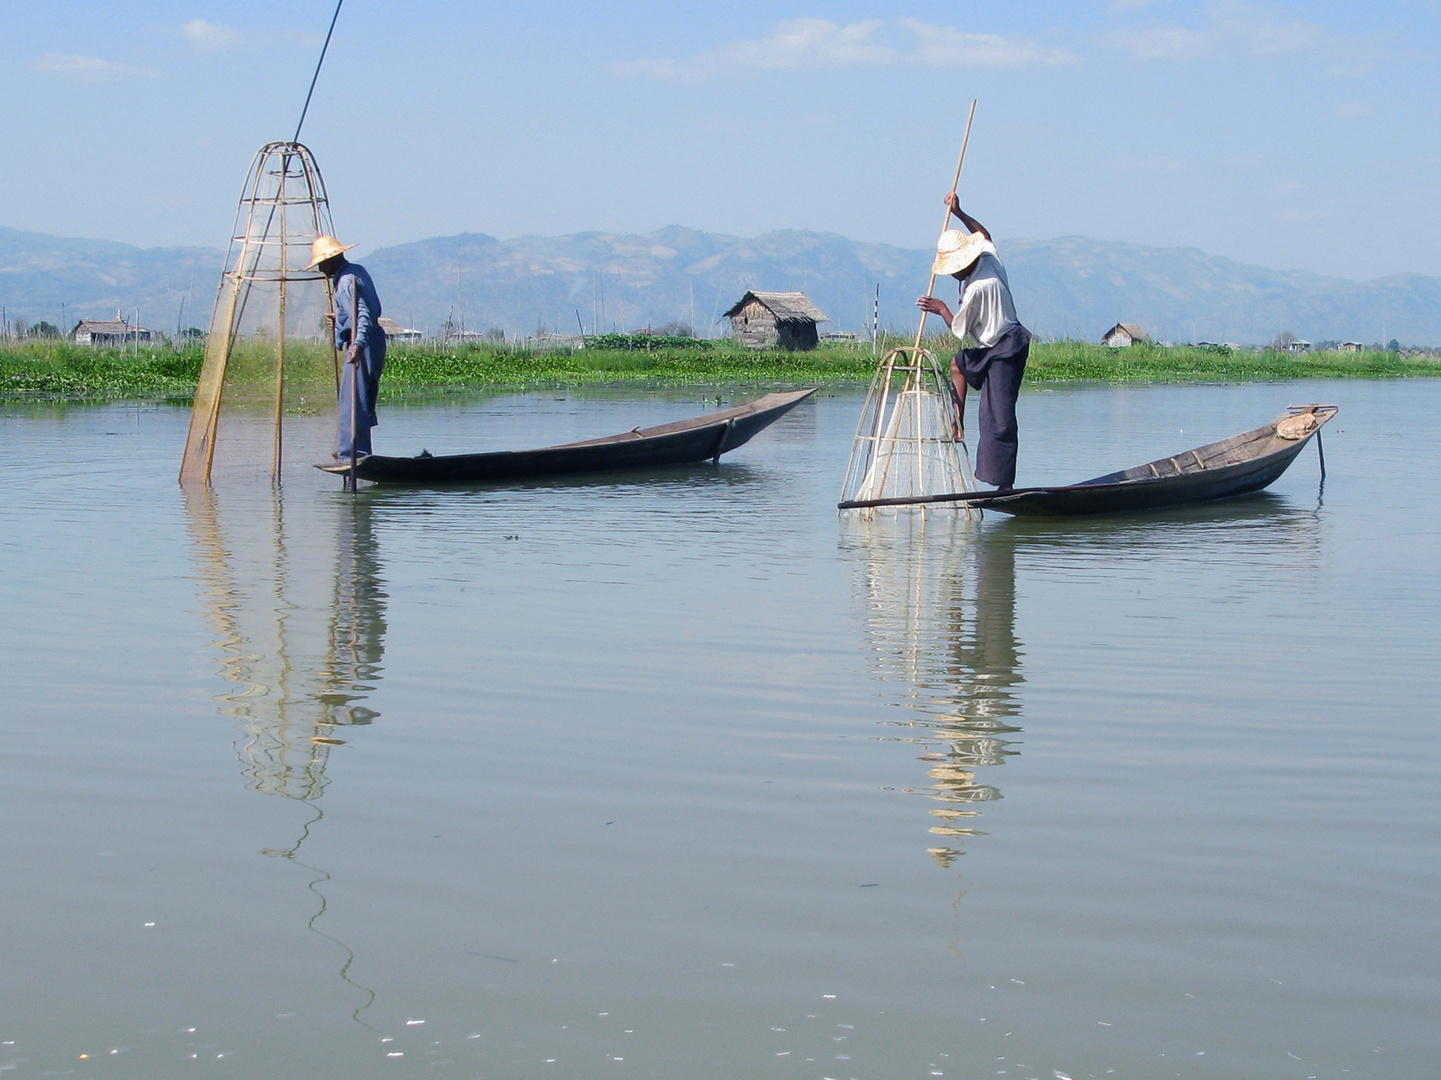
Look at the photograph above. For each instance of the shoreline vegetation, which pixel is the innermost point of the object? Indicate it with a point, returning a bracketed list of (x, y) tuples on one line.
[(48, 370)]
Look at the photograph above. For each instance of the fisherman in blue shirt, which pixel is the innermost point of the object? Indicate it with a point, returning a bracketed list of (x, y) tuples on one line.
[(363, 345)]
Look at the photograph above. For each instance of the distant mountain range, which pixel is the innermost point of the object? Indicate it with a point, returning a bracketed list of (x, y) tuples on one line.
[(1072, 286)]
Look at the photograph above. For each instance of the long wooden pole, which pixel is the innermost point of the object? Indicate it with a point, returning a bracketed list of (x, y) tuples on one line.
[(945, 223), (277, 454), (913, 373), (277, 449), (353, 359)]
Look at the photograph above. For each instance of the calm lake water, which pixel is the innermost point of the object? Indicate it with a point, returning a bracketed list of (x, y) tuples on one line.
[(682, 776)]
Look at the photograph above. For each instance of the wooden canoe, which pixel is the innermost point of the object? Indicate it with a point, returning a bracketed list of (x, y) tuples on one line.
[(1239, 465), (684, 442)]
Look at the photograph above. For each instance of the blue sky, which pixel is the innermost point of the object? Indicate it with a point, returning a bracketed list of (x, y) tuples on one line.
[(1294, 136)]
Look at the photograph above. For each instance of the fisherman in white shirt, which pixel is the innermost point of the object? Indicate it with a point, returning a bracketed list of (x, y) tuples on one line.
[(996, 360)]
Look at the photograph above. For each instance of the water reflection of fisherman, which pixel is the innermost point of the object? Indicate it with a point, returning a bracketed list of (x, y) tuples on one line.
[(940, 617), (302, 658), (996, 362), (981, 661), (358, 626), (988, 658), (364, 343)]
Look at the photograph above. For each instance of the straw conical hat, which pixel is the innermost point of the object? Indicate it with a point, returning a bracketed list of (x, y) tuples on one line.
[(326, 247), (956, 250)]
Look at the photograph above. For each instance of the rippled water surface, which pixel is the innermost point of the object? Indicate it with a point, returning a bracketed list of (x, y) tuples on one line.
[(682, 776)]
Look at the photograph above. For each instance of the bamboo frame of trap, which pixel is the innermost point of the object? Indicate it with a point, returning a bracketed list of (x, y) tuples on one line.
[(909, 428), (283, 206)]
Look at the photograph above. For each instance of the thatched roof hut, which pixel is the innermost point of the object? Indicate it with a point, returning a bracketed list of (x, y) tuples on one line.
[(775, 320), (1125, 334), (112, 332), (395, 332)]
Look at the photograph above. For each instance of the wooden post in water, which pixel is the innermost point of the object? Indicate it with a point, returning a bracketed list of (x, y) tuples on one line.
[(277, 440)]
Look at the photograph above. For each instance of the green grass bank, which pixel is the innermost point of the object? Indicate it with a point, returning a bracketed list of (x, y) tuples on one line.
[(48, 370)]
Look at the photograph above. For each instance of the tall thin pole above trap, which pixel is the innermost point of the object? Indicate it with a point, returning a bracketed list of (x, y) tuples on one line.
[(946, 221)]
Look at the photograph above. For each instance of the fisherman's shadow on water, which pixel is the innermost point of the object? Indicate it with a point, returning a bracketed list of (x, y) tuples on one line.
[(294, 593)]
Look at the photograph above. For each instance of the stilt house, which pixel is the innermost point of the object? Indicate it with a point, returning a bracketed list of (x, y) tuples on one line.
[(1124, 334), (395, 332), (112, 332), (775, 320)]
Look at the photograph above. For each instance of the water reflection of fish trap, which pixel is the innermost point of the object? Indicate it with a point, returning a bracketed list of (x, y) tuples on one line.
[(293, 592), (904, 447), (267, 353)]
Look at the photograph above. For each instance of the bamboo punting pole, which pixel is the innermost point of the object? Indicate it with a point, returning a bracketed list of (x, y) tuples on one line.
[(353, 359), (945, 223), (914, 372)]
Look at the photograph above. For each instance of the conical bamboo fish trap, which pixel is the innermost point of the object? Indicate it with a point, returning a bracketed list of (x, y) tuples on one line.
[(266, 299), (904, 446)]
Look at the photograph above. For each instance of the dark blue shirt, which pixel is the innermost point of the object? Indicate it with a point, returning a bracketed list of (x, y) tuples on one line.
[(351, 279)]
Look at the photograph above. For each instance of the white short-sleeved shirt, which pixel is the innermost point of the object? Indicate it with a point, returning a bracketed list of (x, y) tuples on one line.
[(987, 310)]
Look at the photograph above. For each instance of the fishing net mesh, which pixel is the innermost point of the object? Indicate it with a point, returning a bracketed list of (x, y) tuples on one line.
[(904, 446)]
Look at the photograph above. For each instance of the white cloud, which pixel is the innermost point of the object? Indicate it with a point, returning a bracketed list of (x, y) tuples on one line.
[(802, 43), (90, 68), (797, 44), (1270, 33), (202, 35), (1353, 110), (1226, 26), (944, 46), (1164, 42), (793, 44), (208, 35)]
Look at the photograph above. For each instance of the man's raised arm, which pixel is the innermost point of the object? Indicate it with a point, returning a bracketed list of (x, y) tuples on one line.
[(970, 223)]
